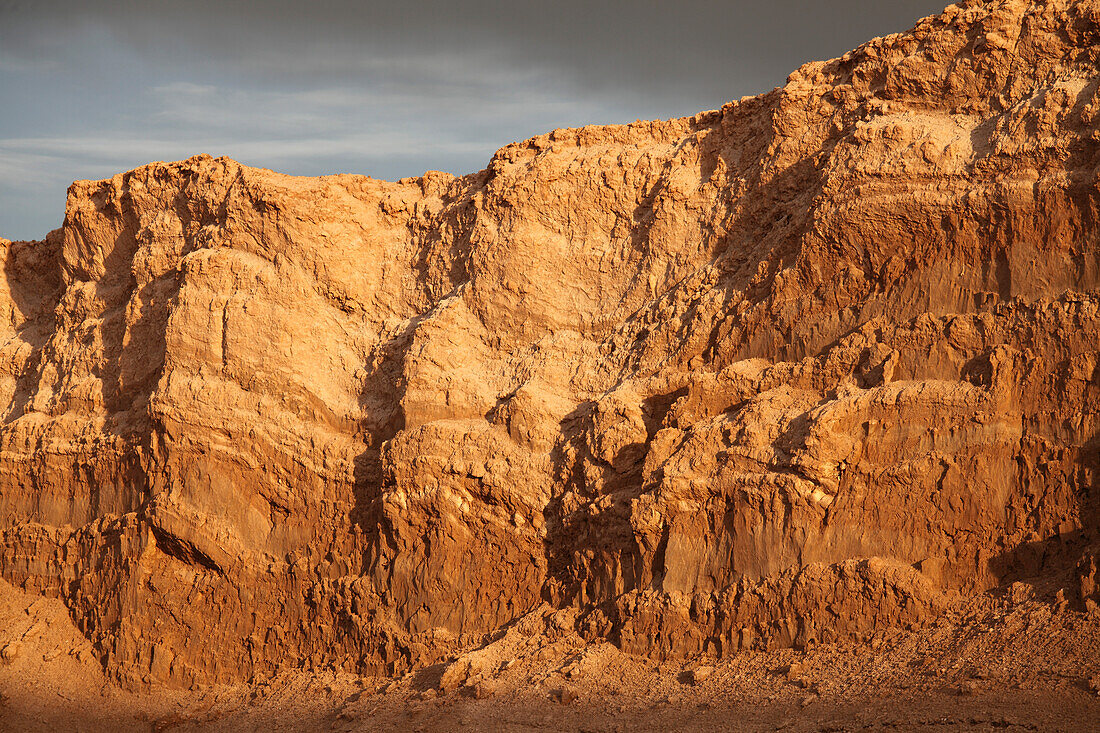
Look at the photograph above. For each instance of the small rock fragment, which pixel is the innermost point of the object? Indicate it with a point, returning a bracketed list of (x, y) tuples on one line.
[(11, 652), (700, 673), (563, 695), (1019, 592), (455, 676), (477, 689)]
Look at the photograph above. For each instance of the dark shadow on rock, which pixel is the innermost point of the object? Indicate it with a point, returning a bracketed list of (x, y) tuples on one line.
[(591, 558), (1040, 563), (380, 402), (33, 274), (1050, 563), (428, 678)]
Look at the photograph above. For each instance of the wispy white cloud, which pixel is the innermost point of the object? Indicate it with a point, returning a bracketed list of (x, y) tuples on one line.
[(184, 88), (21, 156), (382, 130), (332, 109), (35, 171), (12, 63)]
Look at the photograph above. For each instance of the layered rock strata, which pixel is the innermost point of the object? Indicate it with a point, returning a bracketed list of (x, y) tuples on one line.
[(786, 372)]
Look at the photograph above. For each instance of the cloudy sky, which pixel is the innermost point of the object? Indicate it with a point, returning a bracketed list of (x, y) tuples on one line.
[(389, 89)]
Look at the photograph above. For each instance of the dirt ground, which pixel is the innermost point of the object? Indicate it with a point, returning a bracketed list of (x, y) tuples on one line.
[(1007, 661)]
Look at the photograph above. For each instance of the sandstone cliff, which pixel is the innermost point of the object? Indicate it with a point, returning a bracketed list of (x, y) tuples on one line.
[(791, 371)]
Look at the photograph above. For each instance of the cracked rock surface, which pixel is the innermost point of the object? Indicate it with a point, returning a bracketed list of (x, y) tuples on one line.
[(798, 371)]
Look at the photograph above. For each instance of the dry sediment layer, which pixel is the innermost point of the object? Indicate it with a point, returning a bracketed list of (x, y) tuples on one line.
[(795, 370)]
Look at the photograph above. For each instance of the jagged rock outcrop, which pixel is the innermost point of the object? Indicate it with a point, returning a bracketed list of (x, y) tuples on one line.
[(789, 371)]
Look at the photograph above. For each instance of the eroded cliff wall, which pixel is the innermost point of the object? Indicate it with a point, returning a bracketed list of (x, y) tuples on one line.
[(788, 371)]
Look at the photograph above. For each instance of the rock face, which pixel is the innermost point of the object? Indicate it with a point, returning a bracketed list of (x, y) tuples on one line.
[(790, 371)]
